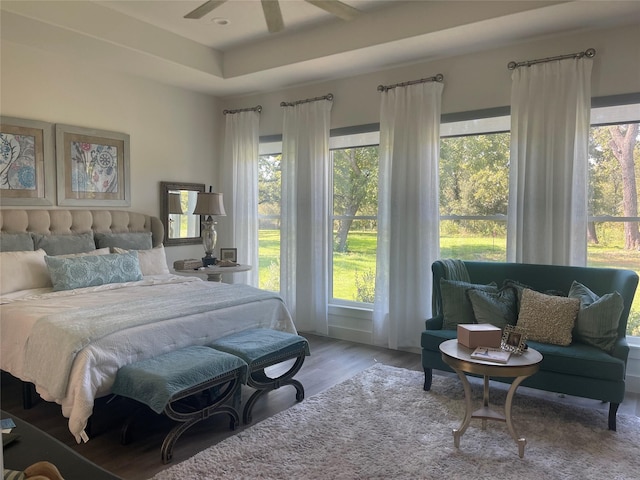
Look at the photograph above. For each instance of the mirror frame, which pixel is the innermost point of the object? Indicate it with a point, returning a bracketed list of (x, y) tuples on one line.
[(165, 187)]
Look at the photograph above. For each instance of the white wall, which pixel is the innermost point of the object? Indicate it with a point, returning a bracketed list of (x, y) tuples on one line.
[(173, 132), (471, 82)]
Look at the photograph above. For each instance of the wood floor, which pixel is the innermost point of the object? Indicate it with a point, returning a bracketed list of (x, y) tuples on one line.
[(331, 362)]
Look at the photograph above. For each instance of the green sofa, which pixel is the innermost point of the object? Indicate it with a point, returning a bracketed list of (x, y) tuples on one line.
[(577, 369)]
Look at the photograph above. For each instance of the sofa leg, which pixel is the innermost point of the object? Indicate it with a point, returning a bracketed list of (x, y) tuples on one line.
[(428, 378), (613, 409)]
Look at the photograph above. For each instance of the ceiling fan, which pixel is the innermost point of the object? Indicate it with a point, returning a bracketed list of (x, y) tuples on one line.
[(273, 16)]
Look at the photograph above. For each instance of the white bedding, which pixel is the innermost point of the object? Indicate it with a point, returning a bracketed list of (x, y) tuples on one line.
[(94, 367)]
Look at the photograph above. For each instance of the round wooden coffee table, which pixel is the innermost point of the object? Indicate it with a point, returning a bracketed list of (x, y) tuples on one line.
[(519, 367)]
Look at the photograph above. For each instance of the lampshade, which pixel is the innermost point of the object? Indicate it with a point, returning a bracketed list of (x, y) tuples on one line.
[(209, 204), (175, 205)]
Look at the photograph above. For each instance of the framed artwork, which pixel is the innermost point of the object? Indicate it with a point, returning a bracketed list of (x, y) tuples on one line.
[(229, 254), (514, 339), (27, 168), (92, 167)]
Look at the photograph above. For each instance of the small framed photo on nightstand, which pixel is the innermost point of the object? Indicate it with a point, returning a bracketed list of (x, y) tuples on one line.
[(229, 254)]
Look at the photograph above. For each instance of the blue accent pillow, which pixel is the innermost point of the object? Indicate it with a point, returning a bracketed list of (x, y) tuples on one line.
[(93, 270)]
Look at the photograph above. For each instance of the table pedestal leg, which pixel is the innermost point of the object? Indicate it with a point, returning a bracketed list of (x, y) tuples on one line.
[(485, 413), (521, 441), (458, 432)]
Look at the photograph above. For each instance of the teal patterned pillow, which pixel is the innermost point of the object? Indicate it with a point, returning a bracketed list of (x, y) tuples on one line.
[(93, 270), (598, 317)]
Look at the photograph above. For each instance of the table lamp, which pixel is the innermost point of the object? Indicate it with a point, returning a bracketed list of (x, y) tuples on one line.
[(209, 204)]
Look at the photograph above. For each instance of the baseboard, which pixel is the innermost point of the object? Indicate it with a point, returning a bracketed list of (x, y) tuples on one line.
[(350, 334)]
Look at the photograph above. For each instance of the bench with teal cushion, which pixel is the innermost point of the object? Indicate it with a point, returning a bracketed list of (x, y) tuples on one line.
[(262, 348), (577, 369), (205, 377)]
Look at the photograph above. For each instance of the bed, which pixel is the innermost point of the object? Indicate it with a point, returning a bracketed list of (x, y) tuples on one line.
[(84, 292)]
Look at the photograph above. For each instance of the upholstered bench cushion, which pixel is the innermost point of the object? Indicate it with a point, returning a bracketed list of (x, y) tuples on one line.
[(259, 345), (155, 380)]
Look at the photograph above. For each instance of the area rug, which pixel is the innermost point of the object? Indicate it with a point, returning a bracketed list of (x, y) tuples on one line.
[(381, 425)]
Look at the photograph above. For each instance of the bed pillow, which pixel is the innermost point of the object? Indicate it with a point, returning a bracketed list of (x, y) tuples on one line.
[(16, 242), (598, 317), (99, 251), (548, 318), (152, 261), (93, 270), (65, 244), (23, 271), (128, 241), (456, 306), (498, 309)]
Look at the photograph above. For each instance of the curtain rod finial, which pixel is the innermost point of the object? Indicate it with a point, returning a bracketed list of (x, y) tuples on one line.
[(590, 52)]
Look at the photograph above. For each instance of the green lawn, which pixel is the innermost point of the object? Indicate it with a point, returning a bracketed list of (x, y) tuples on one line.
[(359, 262)]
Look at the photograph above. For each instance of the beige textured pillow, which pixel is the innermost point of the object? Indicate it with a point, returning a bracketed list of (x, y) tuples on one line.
[(23, 271), (548, 318), (152, 261)]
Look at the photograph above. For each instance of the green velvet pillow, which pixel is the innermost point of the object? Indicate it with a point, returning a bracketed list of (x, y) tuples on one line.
[(598, 318), (498, 309), (456, 306), (93, 270), (548, 318)]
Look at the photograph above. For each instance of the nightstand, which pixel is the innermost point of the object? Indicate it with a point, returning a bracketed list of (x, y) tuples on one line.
[(213, 273)]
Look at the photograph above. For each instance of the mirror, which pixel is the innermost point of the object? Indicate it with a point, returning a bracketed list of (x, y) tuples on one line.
[(177, 202)]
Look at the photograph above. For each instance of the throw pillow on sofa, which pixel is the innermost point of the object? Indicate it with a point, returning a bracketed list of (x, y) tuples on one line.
[(598, 317), (497, 308), (548, 318), (456, 306)]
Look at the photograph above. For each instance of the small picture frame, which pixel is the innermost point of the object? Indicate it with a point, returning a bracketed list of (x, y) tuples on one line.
[(229, 254), (514, 339)]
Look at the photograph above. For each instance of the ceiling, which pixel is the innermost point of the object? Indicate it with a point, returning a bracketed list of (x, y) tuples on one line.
[(153, 40)]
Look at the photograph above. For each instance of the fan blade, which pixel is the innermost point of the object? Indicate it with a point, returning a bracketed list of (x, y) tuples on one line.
[(334, 7), (273, 15), (205, 8)]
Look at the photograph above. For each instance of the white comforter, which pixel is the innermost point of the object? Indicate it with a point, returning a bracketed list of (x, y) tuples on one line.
[(94, 367)]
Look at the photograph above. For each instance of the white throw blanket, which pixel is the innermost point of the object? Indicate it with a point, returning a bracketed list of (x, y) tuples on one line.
[(56, 339)]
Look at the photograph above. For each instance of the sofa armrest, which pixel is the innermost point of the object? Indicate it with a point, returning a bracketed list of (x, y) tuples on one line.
[(621, 349), (434, 323)]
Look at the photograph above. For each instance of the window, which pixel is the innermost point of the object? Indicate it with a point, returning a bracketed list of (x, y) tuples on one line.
[(474, 191), (355, 232), (269, 201), (613, 235)]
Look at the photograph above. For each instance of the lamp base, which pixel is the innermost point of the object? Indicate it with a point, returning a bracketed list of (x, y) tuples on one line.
[(206, 261)]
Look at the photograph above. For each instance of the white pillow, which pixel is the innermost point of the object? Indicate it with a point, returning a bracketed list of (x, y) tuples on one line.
[(23, 271), (152, 261), (99, 251)]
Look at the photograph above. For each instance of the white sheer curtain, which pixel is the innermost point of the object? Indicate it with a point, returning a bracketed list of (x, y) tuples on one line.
[(305, 228), (408, 216), (547, 214), (241, 152)]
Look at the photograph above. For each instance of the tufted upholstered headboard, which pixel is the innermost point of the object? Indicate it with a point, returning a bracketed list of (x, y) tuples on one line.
[(67, 222)]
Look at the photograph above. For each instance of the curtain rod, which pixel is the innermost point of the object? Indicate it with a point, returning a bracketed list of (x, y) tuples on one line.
[(257, 108), (328, 96), (589, 53), (436, 78)]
